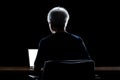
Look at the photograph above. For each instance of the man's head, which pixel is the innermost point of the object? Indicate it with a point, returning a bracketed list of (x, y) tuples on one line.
[(58, 18)]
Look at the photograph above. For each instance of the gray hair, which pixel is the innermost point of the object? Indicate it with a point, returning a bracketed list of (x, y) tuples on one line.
[(58, 15)]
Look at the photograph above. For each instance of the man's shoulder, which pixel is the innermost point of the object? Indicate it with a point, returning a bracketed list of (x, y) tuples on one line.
[(55, 36), (45, 38), (75, 36)]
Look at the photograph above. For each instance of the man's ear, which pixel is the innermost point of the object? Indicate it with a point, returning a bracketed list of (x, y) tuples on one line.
[(52, 29)]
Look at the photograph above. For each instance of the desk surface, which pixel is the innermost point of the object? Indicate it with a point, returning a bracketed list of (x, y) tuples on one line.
[(15, 69), (107, 68), (31, 69)]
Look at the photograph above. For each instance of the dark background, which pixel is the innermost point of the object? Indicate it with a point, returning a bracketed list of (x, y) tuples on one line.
[(23, 24)]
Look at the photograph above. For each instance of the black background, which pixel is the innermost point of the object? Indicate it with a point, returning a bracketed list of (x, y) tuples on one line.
[(24, 23)]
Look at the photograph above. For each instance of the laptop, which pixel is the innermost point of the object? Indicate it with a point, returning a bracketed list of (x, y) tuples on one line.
[(32, 53)]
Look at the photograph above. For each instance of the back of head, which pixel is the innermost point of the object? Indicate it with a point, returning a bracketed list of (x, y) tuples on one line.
[(58, 18)]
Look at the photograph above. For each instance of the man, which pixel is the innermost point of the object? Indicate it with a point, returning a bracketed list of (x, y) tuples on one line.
[(60, 45)]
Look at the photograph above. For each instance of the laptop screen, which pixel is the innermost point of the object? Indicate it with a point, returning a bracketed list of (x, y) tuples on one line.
[(32, 53)]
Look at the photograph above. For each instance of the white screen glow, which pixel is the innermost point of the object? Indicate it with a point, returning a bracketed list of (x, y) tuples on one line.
[(32, 56)]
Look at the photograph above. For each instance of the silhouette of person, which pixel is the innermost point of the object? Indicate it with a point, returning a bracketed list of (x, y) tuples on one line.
[(60, 45)]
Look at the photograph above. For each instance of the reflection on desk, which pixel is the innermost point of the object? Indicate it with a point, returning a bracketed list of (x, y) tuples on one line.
[(31, 69), (107, 68), (16, 69)]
